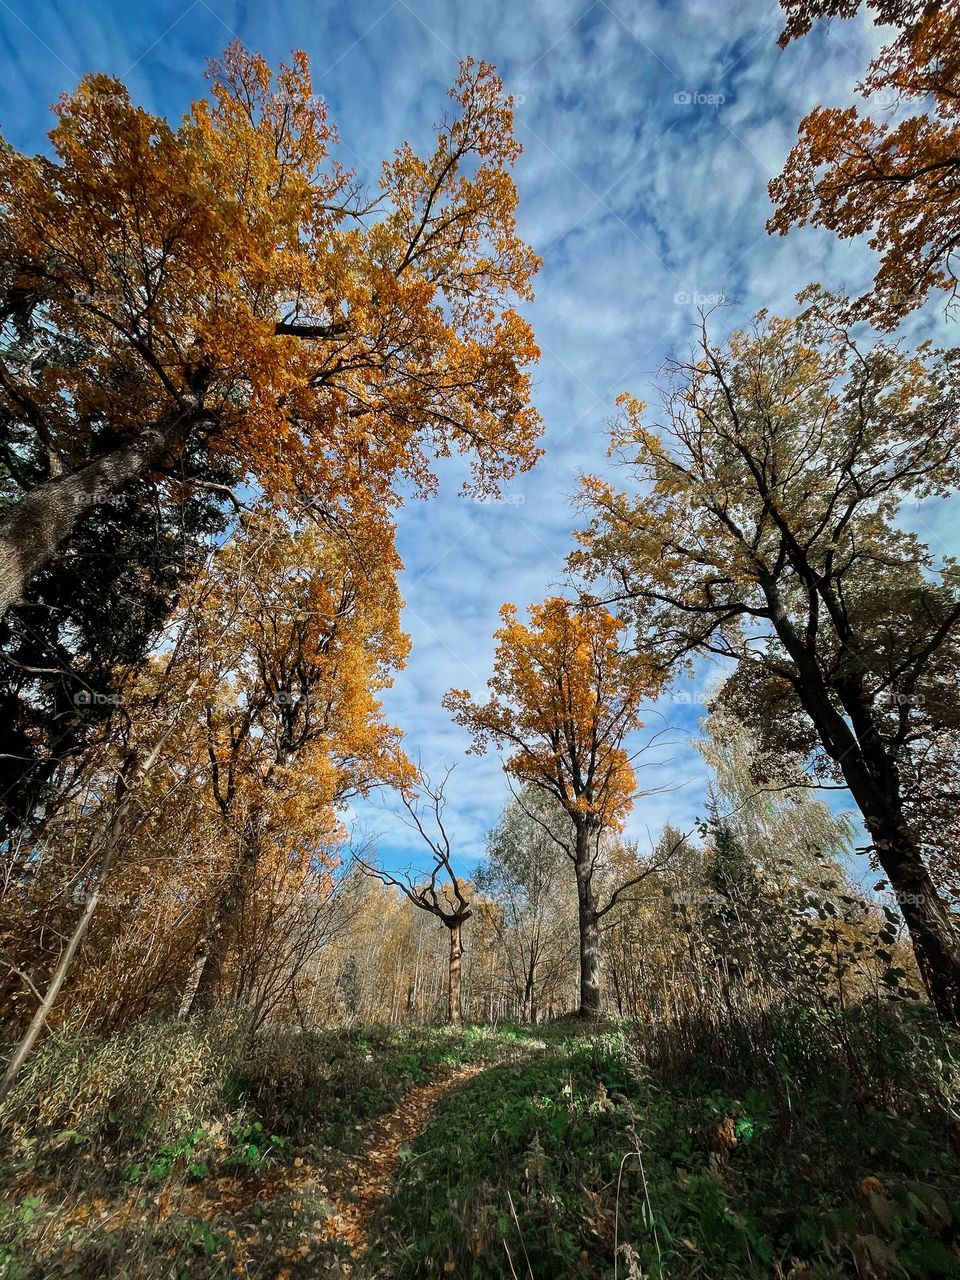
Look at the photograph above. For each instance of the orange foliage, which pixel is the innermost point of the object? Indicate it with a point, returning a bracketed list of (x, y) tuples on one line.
[(227, 275), (266, 700), (896, 182), (565, 697)]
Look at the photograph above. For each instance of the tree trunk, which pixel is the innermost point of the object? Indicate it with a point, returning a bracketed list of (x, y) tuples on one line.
[(589, 926), (454, 985), (589, 961), (31, 532), (528, 998), (193, 983), (870, 771), (210, 960), (932, 931), (617, 992), (874, 783)]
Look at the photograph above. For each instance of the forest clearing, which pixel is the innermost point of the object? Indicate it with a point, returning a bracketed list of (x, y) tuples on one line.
[(480, 641)]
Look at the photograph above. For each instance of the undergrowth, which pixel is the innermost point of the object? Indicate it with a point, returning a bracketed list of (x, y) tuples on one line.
[(805, 1144), (188, 1149), (793, 1148)]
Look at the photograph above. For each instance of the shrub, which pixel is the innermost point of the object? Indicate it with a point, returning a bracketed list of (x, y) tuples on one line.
[(152, 1082)]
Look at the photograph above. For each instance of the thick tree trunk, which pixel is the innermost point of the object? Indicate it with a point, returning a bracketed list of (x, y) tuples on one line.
[(932, 931), (874, 783), (589, 926), (454, 983), (32, 532), (870, 771), (589, 960)]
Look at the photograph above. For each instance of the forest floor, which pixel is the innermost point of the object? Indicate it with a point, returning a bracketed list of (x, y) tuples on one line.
[(554, 1152)]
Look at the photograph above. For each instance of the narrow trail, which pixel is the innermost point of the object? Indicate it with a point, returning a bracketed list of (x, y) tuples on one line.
[(362, 1183), (352, 1190)]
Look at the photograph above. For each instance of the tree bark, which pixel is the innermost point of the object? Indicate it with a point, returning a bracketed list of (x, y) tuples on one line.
[(528, 1000), (932, 931), (454, 983), (870, 771), (589, 961), (33, 531), (193, 983), (589, 926)]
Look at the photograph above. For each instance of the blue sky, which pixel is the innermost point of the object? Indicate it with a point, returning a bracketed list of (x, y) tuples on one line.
[(650, 131)]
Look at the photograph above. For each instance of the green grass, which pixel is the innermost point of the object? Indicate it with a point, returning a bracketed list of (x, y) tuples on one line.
[(103, 1140), (189, 1151), (544, 1168)]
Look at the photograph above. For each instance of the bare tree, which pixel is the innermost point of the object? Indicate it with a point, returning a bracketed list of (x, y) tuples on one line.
[(440, 891)]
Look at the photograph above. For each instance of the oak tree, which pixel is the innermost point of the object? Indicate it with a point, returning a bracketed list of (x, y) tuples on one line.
[(896, 181), (768, 531), (224, 285), (565, 700)]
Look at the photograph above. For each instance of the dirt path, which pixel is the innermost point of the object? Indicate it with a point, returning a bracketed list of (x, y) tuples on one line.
[(362, 1183), (353, 1190)]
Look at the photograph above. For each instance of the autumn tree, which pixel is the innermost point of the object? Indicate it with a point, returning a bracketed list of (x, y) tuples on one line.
[(225, 281), (291, 725), (240, 743), (188, 310), (768, 532), (897, 182), (439, 890), (565, 700)]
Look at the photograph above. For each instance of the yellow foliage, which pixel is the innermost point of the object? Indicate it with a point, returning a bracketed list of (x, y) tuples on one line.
[(564, 698)]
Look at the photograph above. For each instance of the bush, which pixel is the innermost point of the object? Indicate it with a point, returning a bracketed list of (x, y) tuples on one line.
[(150, 1083), (878, 1049)]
